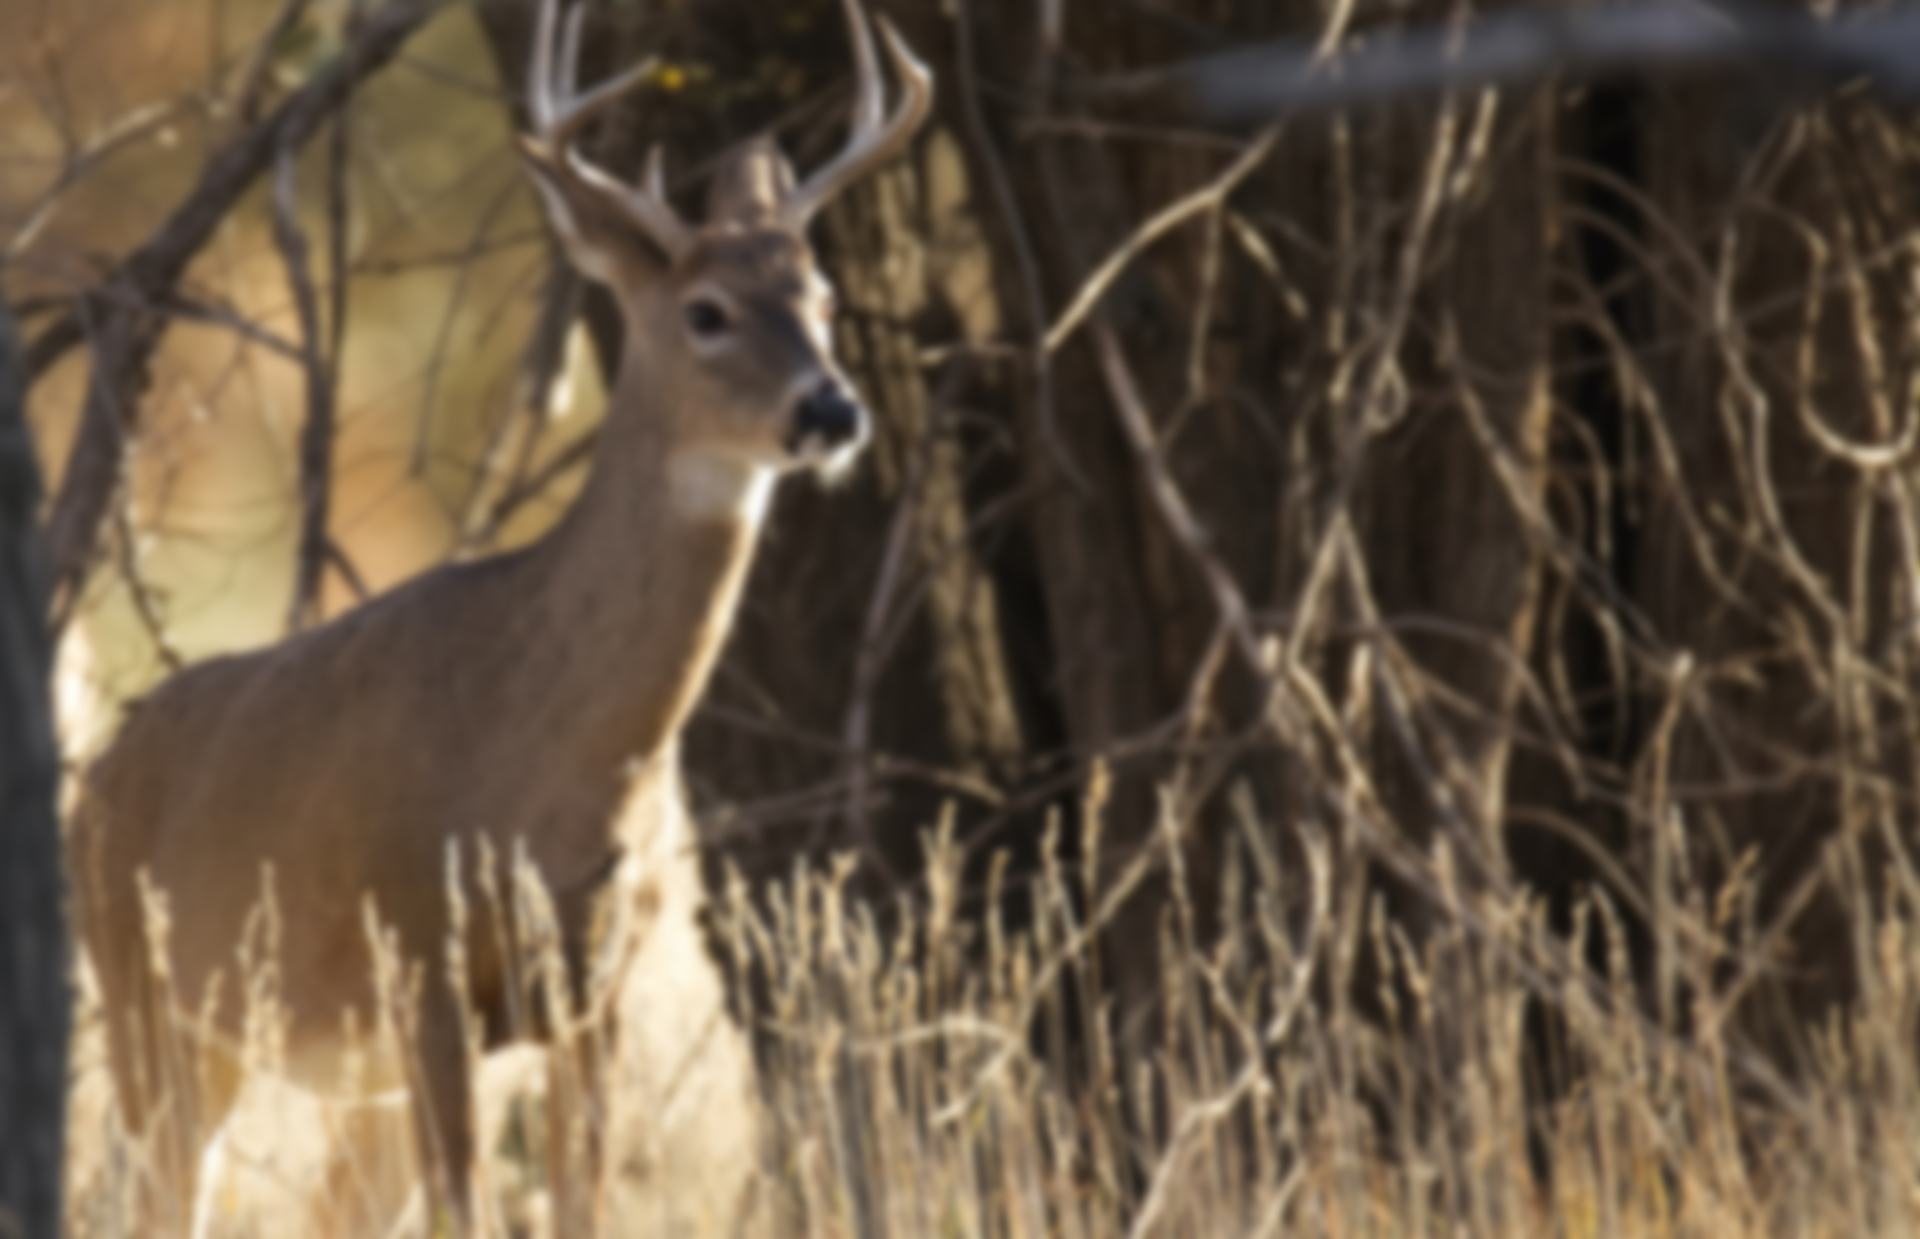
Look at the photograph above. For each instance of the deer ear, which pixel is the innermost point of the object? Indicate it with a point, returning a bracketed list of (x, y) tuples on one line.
[(754, 179), (600, 241)]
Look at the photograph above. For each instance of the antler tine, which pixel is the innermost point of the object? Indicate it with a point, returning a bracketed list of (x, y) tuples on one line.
[(648, 204), (569, 62), (871, 142), (558, 112), (558, 115), (870, 96), (656, 179), (540, 72)]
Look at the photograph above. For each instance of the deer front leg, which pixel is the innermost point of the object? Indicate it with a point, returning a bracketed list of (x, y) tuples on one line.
[(370, 1171), (581, 1030), (578, 1102), (443, 1109), (178, 1123), (174, 1094)]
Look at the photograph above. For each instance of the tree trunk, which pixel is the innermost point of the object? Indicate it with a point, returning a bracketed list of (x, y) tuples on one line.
[(34, 1000)]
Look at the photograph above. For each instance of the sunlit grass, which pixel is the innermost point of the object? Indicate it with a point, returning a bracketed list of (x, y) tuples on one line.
[(921, 1077)]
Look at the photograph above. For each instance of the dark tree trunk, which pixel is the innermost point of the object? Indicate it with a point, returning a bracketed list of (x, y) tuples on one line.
[(34, 1008)]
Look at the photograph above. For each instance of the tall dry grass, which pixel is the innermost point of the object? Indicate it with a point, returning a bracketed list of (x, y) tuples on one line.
[(927, 1072)]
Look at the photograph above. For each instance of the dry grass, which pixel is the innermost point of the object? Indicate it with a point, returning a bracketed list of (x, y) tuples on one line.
[(928, 1077)]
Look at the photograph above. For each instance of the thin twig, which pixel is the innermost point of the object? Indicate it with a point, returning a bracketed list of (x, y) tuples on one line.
[(146, 607), (252, 91), (316, 433), (1186, 527), (1209, 197), (120, 134), (856, 734)]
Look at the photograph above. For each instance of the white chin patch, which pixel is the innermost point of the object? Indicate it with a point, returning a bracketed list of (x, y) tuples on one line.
[(830, 462), (713, 486), (837, 466)]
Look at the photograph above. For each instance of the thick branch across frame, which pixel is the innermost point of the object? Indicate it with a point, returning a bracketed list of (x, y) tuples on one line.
[(1512, 48)]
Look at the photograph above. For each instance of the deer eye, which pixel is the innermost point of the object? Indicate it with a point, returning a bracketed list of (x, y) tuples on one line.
[(705, 318)]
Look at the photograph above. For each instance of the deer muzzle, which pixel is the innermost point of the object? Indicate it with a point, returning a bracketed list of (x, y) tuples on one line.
[(828, 421)]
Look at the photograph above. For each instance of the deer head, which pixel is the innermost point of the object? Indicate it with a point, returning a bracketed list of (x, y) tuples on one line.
[(732, 318)]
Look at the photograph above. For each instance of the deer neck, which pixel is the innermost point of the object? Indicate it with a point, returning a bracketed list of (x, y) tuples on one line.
[(644, 577)]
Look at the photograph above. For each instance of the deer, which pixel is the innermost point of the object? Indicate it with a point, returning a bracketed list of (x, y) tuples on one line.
[(528, 703)]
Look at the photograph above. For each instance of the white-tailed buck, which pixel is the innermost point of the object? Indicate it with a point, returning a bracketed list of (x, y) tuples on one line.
[(529, 702)]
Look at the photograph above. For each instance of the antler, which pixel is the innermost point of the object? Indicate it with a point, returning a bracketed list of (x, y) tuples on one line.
[(874, 138), (559, 113)]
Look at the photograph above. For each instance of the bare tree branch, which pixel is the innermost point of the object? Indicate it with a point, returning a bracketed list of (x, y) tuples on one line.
[(1254, 84), (156, 267), (146, 607), (253, 83), (121, 317), (120, 134), (316, 435), (1208, 197)]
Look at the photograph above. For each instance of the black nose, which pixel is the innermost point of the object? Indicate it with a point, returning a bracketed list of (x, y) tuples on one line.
[(830, 413)]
